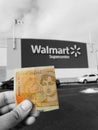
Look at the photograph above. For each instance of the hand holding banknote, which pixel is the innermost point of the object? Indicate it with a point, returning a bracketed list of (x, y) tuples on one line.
[(12, 116)]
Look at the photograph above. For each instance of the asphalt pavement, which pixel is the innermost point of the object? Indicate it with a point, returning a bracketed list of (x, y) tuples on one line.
[(78, 111)]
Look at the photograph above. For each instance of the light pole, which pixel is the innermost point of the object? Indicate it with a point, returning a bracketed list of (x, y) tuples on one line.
[(15, 23), (14, 43), (97, 59)]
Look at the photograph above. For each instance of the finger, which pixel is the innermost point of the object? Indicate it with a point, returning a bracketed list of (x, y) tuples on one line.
[(30, 120), (34, 112), (6, 98), (14, 117), (7, 108)]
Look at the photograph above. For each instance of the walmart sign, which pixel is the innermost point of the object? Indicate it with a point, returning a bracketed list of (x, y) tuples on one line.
[(61, 54)]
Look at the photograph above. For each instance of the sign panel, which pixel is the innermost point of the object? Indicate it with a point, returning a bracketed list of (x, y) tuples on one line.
[(61, 54)]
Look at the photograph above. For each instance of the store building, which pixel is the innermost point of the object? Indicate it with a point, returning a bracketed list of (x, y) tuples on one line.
[(70, 58)]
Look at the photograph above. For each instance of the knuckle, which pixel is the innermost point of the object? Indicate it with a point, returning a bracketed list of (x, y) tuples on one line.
[(16, 115)]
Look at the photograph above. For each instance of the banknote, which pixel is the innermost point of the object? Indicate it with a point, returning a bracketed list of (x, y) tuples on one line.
[(37, 84)]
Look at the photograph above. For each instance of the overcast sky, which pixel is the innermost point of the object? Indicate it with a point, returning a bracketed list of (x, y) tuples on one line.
[(75, 20)]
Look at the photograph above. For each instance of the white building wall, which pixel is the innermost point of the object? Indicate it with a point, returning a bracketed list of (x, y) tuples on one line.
[(13, 57), (92, 56), (3, 56), (13, 54), (3, 59)]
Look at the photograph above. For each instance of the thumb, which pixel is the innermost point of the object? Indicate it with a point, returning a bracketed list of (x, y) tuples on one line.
[(14, 117)]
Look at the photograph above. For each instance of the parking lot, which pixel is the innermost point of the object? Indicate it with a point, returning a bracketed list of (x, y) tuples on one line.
[(78, 110)]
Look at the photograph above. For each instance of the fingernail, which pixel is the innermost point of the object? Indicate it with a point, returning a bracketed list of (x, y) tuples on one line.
[(26, 105)]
